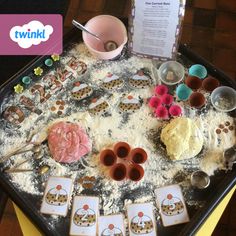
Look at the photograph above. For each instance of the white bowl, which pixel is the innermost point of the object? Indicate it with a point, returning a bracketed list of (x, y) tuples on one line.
[(109, 28)]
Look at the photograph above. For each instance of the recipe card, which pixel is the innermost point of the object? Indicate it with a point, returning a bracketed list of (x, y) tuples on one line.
[(84, 216), (111, 225), (155, 28), (57, 196), (171, 203), (141, 219)]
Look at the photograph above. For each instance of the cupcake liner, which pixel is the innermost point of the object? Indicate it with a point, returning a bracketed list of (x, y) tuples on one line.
[(118, 172), (124, 163), (210, 83), (138, 155), (161, 112), (167, 99), (175, 110), (198, 71), (135, 172), (197, 100), (183, 92), (122, 149), (108, 157), (154, 102)]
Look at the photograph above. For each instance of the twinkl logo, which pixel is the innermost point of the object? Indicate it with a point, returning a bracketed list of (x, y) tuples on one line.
[(30, 34)]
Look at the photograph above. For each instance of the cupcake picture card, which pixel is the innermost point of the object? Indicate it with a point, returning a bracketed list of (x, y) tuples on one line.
[(57, 196), (171, 204), (141, 219), (84, 216), (111, 225)]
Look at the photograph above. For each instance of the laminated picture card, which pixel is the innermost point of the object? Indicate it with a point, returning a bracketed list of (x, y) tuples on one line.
[(154, 28)]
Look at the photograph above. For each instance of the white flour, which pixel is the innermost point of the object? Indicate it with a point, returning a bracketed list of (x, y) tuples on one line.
[(139, 129)]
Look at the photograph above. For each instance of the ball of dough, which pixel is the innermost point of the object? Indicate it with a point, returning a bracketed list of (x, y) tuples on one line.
[(182, 138), (68, 142)]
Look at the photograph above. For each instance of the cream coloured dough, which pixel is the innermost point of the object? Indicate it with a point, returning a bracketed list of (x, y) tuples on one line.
[(182, 138)]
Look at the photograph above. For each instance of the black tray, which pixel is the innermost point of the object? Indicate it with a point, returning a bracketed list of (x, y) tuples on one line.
[(221, 182)]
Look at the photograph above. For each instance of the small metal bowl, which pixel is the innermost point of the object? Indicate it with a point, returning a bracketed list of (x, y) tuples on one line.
[(200, 179), (229, 156)]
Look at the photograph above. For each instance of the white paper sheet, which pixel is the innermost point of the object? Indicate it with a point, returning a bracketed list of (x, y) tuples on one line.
[(156, 27)]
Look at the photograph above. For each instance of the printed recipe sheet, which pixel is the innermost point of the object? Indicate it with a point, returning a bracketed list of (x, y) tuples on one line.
[(155, 27)]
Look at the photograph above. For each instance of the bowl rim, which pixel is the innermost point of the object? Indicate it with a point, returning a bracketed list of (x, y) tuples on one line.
[(173, 83), (215, 91), (121, 24), (203, 174)]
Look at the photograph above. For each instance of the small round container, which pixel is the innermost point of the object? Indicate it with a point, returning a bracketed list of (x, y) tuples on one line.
[(154, 102), (193, 82), (138, 155), (135, 172), (210, 83), (198, 71), (161, 89), (167, 99), (108, 157), (108, 28), (200, 179), (175, 110), (161, 112), (224, 98), (183, 92), (229, 156), (122, 149), (118, 172), (171, 72), (197, 100)]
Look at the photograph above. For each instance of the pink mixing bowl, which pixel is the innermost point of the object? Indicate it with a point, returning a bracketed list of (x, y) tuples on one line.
[(108, 28)]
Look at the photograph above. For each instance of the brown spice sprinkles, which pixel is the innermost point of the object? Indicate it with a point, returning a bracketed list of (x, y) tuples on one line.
[(228, 127), (218, 131), (221, 126)]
